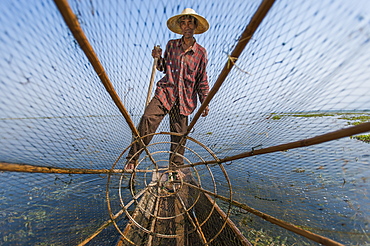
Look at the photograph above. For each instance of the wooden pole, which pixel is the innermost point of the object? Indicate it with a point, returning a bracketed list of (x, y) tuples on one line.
[(72, 22), (310, 235), (250, 29), (243, 41), (12, 167), (152, 77), (350, 131)]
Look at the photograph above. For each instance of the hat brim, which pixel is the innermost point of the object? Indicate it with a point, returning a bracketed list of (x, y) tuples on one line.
[(173, 25)]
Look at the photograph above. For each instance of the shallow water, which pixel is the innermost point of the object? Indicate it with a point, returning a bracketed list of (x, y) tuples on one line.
[(322, 188)]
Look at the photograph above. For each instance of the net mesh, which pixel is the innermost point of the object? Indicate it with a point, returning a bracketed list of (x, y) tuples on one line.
[(304, 73)]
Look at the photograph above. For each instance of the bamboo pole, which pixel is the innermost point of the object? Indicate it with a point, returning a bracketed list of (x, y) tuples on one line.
[(307, 234), (350, 131), (193, 220), (246, 36), (244, 241), (12, 167), (150, 87), (72, 22), (243, 41), (152, 77), (100, 229), (154, 220)]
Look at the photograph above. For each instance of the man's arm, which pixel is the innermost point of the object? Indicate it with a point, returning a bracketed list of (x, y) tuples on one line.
[(203, 87)]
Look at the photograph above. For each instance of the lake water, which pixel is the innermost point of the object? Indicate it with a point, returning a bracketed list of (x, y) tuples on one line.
[(322, 188)]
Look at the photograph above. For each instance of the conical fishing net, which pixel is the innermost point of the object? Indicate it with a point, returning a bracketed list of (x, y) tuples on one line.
[(282, 158)]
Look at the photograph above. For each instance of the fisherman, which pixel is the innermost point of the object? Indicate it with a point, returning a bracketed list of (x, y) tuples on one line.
[(184, 65)]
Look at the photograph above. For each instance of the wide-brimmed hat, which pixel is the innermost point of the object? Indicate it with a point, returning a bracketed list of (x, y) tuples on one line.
[(174, 25)]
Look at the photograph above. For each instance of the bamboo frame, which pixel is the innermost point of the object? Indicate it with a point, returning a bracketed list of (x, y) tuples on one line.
[(246, 36), (74, 26), (230, 223), (243, 41), (12, 167), (151, 82), (307, 234), (100, 229), (72, 22), (361, 128)]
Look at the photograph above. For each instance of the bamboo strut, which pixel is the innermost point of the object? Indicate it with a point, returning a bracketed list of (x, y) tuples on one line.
[(99, 230), (12, 167), (152, 77), (364, 127), (230, 223), (243, 41), (154, 220), (113, 217), (281, 223), (40, 169), (194, 222), (72, 22)]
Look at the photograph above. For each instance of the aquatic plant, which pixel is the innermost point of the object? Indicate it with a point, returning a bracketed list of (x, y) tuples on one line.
[(363, 138)]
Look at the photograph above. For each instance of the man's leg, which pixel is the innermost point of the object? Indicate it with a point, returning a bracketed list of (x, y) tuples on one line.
[(153, 115), (178, 124)]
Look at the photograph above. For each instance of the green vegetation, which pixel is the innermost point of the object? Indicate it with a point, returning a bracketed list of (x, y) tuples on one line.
[(354, 123), (358, 119), (261, 238), (299, 170), (363, 138), (361, 117), (278, 117), (29, 219), (354, 118), (312, 115)]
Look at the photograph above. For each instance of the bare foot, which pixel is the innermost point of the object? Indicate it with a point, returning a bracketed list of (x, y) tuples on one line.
[(180, 175), (129, 166)]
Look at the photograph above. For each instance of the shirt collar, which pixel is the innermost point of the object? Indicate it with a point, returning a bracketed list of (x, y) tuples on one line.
[(195, 45)]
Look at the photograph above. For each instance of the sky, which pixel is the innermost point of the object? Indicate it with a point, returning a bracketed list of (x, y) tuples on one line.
[(306, 55)]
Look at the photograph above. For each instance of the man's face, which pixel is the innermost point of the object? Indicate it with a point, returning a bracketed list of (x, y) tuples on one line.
[(187, 27)]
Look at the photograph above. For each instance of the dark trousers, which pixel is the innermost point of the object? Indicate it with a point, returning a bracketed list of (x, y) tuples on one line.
[(153, 115)]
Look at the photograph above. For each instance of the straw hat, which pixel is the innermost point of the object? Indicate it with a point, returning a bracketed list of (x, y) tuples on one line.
[(174, 26)]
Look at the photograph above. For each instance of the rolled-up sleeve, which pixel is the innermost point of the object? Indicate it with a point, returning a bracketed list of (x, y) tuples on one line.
[(202, 79)]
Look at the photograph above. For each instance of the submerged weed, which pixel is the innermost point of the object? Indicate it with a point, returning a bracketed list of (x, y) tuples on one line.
[(363, 138)]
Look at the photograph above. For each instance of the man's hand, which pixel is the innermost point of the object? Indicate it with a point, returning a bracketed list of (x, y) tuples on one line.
[(157, 52), (205, 112)]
